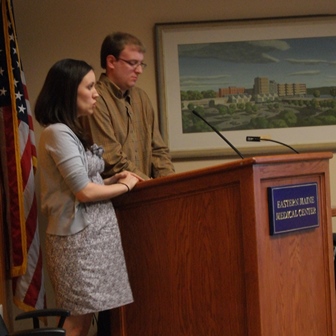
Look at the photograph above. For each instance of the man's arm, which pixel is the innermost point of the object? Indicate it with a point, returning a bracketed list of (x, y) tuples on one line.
[(161, 159)]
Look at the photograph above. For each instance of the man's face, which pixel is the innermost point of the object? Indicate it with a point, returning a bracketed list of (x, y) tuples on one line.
[(127, 68)]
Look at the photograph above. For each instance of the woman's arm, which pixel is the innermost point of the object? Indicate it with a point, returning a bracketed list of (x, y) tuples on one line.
[(121, 184)]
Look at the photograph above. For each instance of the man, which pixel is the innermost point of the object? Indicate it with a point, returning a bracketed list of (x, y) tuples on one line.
[(124, 122)]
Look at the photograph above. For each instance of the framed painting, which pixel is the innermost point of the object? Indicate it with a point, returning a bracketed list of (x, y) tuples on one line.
[(270, 79)]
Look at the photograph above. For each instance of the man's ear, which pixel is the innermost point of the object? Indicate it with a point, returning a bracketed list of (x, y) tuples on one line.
[(110, 60)]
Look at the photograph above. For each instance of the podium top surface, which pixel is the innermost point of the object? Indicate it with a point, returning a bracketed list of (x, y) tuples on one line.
[(291, 157), (171, 184), (254, 160)]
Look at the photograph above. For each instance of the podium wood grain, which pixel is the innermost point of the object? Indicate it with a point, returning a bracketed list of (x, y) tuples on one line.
[(202, 262)]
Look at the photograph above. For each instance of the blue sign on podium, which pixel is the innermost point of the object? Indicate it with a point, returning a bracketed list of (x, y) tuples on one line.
[(293, 207)]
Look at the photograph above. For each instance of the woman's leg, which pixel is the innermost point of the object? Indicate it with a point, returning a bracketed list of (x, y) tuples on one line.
[(78, 325)]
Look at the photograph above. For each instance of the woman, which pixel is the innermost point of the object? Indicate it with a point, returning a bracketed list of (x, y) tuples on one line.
[(85, 259)]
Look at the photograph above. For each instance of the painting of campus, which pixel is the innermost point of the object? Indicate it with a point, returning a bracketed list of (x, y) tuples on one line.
[(258, 84)]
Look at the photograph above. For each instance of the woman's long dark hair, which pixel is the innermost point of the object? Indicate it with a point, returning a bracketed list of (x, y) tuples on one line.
[(57, 101)]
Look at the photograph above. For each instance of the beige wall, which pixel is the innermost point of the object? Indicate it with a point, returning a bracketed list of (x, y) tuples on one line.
[(50, 30)]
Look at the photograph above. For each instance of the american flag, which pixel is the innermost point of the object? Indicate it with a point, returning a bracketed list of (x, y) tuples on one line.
[(18, 160)]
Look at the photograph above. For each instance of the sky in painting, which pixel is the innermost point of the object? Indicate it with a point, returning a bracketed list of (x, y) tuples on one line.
[(211, 66)]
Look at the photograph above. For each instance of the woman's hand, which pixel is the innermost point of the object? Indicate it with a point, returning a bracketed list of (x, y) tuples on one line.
[(96, 192), (115, 178), (131, 179)]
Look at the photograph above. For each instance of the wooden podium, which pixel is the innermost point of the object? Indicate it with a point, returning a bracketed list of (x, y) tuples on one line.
[(202, 262)]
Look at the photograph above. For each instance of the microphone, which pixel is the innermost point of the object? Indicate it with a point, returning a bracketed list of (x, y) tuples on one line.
[(258, 139), (226, 140)]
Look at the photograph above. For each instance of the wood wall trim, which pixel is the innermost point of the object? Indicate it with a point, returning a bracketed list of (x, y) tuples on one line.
[(333, 212)]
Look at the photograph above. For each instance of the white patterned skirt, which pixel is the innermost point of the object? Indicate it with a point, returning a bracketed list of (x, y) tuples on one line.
[(87, 269)]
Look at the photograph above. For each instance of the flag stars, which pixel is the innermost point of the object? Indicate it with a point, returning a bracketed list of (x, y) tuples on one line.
[(3, 92), (21, 109), (18, 95), (2, 71), (29, 288)]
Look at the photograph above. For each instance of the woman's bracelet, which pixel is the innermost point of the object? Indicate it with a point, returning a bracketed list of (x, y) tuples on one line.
[(128, 189)]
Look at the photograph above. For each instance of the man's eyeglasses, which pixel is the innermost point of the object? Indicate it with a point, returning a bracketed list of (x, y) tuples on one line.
[(134, 64)]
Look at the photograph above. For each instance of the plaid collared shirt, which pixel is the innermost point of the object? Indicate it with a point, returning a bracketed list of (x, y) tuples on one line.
[(127, 129)]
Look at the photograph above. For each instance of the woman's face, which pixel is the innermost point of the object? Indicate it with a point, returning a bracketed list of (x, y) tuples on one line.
[(87, 95)]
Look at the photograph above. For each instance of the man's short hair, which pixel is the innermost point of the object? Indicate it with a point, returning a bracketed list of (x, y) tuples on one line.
[(115, 43)]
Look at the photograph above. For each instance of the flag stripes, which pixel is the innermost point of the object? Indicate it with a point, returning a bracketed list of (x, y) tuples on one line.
[(19, 160)]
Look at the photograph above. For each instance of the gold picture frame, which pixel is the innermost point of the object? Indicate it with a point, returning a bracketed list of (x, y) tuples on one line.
[(178, 41)]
